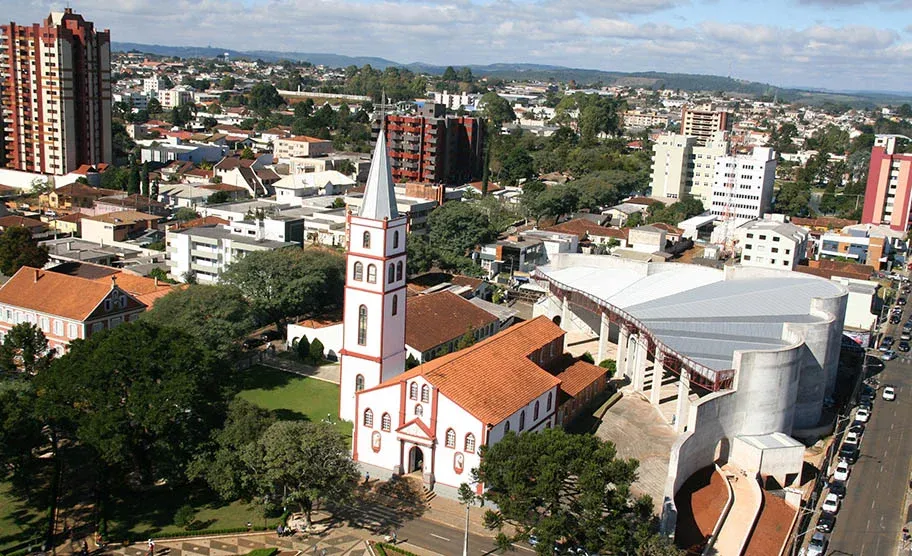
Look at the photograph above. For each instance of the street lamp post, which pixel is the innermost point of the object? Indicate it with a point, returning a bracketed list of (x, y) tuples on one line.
[(466, 497)]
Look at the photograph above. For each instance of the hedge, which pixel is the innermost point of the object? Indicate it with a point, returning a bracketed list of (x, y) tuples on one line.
[(263, 552), (384, 549)]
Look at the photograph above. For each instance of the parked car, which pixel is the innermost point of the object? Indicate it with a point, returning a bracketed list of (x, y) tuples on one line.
[(830, 503), (903, 346), (886, 343), (838, 488), (889, 393), (888, 355), (826, 522), (852, 439), (270, 335), (848, 454), (818, 544), (862, 415), (857, 428), (842, 471), (251, 343)]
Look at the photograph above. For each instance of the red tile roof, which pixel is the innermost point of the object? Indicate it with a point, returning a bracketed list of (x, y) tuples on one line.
[(13, 221), (668, 228), (66, 296), (494, 378), (579, 375), (580, 227), (437, 318)]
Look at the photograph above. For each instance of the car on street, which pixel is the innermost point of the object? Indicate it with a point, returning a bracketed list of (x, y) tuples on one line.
[(270, 335), (894, 319), (838, 488), (889, 393), (842, 472), (818, 545), (886, 343), (852, 439), (826, 522), (848, 454), (862, 415), (903, 346), (251, 343), (888, 355), (866, 403), (830, 503), (906, 335), (857, 428)]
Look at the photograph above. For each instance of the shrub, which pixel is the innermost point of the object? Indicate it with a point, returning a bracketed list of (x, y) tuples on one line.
[(611, 365), (587, 357), (263, 552), (304, 349), (184, 515), (316, 351)]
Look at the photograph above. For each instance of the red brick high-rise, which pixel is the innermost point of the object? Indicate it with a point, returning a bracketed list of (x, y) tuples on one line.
[(888, 195), (433, 148), (55, 94)]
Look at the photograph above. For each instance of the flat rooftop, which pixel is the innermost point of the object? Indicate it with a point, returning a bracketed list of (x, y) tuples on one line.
[(217, 232), (693, 309)]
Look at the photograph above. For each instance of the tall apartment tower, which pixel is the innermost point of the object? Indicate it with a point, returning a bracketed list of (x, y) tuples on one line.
[(431, 147), (373, 315), (702, 123), (888, 196), (55, 94), (743, 184), (682, 168)]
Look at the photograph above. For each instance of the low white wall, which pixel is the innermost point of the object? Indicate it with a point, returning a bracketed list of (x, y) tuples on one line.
[(329, 336)]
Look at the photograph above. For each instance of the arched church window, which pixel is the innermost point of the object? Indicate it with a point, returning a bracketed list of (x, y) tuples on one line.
[(425, 393), (535, 411), (385, 422), (522, 419), (366, 240), (395, 240), (419, 411), (470, 443), (359, 271), (413, 391), (372, 274), (450, 438), (368, 418), (550, 395), (362, 325), (359, 383), (391, 274), (395, 304), (399, 270)]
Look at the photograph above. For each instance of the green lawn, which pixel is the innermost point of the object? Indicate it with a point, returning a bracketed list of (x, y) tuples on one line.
[(293, 397), (18, 522)]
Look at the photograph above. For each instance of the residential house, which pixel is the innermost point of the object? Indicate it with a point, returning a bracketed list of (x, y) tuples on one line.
[(435, 324), (117, 226), (37, 228), (771, 244)]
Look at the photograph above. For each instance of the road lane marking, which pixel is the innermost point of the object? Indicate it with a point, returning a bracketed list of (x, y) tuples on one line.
[(444, 538), (872, 503), (519, 546)]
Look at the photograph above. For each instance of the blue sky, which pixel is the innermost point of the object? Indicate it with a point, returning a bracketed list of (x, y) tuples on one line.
[(835, 44)]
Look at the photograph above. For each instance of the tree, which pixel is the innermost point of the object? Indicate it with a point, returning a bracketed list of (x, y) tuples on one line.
[(497, 110), (303, 349), (449, 74), (17, 250), (571, 490), (208, 123), (134, 179), (634, 220), (141, 398), (185, 214), (25, 349), (456, 228), (304, 463), (144, 176), (558, 201), (264, 97), (216, 315), (227, 83), (153, 106), (467, 339), (247, 154), (289, 282), (531, 191), (218, 197), (20, 432), (316, 351), (516, 166)]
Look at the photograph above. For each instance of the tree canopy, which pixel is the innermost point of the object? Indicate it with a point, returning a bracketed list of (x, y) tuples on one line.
[(24, 349), (288, 282), (568, 490), (17, 250), (497, 109), (456, 228)]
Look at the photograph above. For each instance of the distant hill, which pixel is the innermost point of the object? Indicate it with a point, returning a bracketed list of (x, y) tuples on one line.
[(544, 72)]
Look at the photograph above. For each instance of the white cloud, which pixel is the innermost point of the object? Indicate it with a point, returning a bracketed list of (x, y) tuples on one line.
[(624, 35)]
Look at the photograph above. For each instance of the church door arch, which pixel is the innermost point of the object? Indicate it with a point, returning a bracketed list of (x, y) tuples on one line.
[(416, 459)]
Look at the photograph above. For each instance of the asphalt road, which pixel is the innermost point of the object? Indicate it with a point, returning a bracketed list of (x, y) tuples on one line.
[(872, 515), (444, 539)]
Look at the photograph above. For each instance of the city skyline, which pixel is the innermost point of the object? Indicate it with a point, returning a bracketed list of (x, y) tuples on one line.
[(842, 45)]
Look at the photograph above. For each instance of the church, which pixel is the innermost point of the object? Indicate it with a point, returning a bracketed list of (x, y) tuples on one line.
[(432, 420)]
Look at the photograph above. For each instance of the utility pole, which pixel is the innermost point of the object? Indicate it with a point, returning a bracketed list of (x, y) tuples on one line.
[(466, 497)]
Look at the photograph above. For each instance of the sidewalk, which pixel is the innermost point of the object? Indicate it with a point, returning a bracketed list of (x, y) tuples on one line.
[(327, 373)]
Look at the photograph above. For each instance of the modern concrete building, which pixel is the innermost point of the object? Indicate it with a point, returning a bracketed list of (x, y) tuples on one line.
[(702, 123), (681, 166), (743, 184), (434, 148), (751, 352), (301, 146), (174, 98), (888, 196), (772, 244), (55, 95)]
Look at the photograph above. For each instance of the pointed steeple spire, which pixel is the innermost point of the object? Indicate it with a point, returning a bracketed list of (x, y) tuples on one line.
[(379, 195)]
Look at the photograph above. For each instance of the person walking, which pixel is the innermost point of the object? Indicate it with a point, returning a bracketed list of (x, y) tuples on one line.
[(151, 547)]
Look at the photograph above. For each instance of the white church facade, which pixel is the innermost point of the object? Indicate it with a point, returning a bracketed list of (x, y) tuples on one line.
[(432, 420)]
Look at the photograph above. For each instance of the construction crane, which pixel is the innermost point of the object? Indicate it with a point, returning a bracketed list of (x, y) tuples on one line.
[(728, 220)]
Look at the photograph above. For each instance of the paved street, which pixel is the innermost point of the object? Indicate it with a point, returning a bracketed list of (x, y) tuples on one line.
[(871, 518)]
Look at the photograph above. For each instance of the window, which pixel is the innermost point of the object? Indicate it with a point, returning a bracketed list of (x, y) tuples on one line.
[(425, 393), (450, 438), (395, 240), (362, 325), (45, 325), (535, 411), (470, 442), (359, 271), (366, 240), (359, 383), (507, 427), (372, 274), (419, 411), (385, 422), (368, 418), (775, 238), (395, 304), (746, 257), (413, 391), (97, 327), (73, 332), (399, 270), (58, 328), (391, 275), (107, 305), (522, 420), (550, 395)]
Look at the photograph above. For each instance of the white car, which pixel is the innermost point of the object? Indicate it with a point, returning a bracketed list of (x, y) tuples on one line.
[(862, 415), (842, 472), (889, 393), (852, 439), (831, 503)]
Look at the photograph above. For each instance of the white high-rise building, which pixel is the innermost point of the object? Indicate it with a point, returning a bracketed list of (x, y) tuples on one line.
[(682, 167), (743, 184), (373, 336), (152, 85)]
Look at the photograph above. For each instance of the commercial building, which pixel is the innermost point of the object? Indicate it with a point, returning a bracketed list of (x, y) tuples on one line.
[(55, 107), (301, 146), (772, 244), (117, 226), (682, 167), (434, 148), (743, 184), (702, 123), (174, 98), (888, 196), (205, 252)]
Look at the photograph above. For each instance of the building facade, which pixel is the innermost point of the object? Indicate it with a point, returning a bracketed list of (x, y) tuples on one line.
[(888, 196), (772, 244), (681, 167), (703, 123), (434, 148), (743, 184), (55, 94)]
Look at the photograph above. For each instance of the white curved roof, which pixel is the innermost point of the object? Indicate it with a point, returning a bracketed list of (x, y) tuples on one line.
[(694, 310)]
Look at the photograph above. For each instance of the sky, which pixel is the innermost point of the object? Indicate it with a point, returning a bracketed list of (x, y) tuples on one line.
[(832, 44)]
